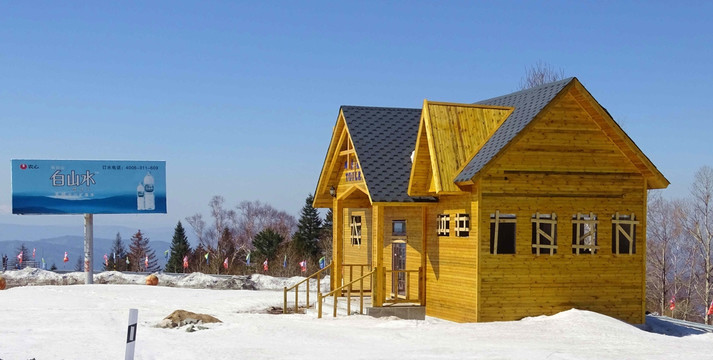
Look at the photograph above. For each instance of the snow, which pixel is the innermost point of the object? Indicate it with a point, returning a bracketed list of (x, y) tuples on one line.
[(45, 320)]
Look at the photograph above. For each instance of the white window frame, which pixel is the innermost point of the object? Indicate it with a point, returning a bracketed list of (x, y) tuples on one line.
[(443, 228), (356, 227), (619, 220), (462, 225), (497, 219), (586, 225), (538, 219)]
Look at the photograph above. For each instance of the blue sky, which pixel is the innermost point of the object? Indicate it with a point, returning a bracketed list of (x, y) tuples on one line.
[(239, 98)]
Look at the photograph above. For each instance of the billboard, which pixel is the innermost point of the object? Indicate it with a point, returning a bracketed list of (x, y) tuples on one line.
[(88, 187)]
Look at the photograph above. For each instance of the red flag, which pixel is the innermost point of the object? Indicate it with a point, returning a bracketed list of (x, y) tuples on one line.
[(66, 258), (225, 263), (33, 252), (19, 257), (106, 260), (710, 309), (185, 262), (303, 265), (264, 265), (672, 303), (146, 262)]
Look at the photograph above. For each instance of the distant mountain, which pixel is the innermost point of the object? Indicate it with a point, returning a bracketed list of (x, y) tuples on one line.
[(52, 250), (10, 232)]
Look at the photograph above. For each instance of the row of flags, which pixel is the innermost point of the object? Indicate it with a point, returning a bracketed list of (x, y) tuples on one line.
[(672, 305), (303, 263), (265, 264)]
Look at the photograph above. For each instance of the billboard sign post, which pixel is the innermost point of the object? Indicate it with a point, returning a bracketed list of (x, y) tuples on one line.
[(88, 187)]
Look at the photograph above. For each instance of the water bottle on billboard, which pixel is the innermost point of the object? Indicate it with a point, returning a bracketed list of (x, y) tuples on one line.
[(150, 203), (140, 198)]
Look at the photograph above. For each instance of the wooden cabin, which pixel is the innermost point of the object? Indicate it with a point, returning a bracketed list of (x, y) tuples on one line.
[(525, 204)]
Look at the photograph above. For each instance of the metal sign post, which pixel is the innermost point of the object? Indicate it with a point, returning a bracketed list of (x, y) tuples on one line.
[(131, 334), (88, 247)]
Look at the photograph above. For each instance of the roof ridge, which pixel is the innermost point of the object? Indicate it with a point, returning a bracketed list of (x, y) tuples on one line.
[(378, 107), (532, 89)]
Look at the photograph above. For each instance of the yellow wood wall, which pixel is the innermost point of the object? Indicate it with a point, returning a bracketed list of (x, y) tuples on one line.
[(566, 165), (414, 242), (451, 268), (354, 254), (457, 131)]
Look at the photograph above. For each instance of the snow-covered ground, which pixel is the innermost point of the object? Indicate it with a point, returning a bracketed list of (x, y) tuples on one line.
[(90, 322)]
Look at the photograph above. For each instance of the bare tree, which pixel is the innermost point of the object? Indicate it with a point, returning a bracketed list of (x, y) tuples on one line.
[(254, 217), (663, 232), (539, 74), (699, 226), (199, 227)]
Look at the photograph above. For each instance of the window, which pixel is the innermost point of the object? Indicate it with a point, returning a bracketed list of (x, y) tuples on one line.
[(502, 233), (444, 224), (623, 230), (462, 225), (355, 225), (584, 234), (544, 233), (398, 228)]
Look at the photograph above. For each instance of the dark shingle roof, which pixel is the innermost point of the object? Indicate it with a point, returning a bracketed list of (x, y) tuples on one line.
[(527, 103), (384, 139)]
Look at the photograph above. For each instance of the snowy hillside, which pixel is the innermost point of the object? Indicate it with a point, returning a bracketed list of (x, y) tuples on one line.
[(90, 322)]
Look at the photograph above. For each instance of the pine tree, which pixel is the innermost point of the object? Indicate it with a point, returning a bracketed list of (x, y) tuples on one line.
[(25, 256), (117, 258), (179, 248), (139, 249), (326, 240), (266, 243), (79, 265), (309, 230)]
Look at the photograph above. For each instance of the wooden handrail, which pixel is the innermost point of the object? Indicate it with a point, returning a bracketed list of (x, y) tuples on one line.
[(348, 286), (351, 270), (421, 294), (296, 287)]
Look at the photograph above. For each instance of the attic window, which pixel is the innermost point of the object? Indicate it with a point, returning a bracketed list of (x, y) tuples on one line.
[(355, 225), (398, 228), (544, 233), (462, 225), (502, 233), (444, 224), (584, 234), (623, 230)]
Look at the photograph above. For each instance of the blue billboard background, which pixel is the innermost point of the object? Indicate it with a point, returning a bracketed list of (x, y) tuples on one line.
[(88, 187)]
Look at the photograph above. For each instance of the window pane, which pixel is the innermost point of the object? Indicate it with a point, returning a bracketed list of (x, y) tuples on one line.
[(506, 234), (398, 227)]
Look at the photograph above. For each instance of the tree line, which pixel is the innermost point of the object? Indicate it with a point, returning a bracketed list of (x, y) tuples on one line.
[(242, 240), (679, 254)]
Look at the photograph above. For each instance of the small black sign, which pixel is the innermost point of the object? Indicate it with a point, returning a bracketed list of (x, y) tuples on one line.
[(131, 334)]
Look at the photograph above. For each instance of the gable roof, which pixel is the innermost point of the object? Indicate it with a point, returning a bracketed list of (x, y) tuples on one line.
[(383, 140), (527, 103), (449, 135)]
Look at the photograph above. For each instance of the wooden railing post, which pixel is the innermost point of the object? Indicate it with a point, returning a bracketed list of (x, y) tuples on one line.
[(383, 285), (284, 296), (349, 299), (408, 281), (297, 292), (377, 297), (319, 305), (422, 286), (335, 305), (307, 304), (361, 295)]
